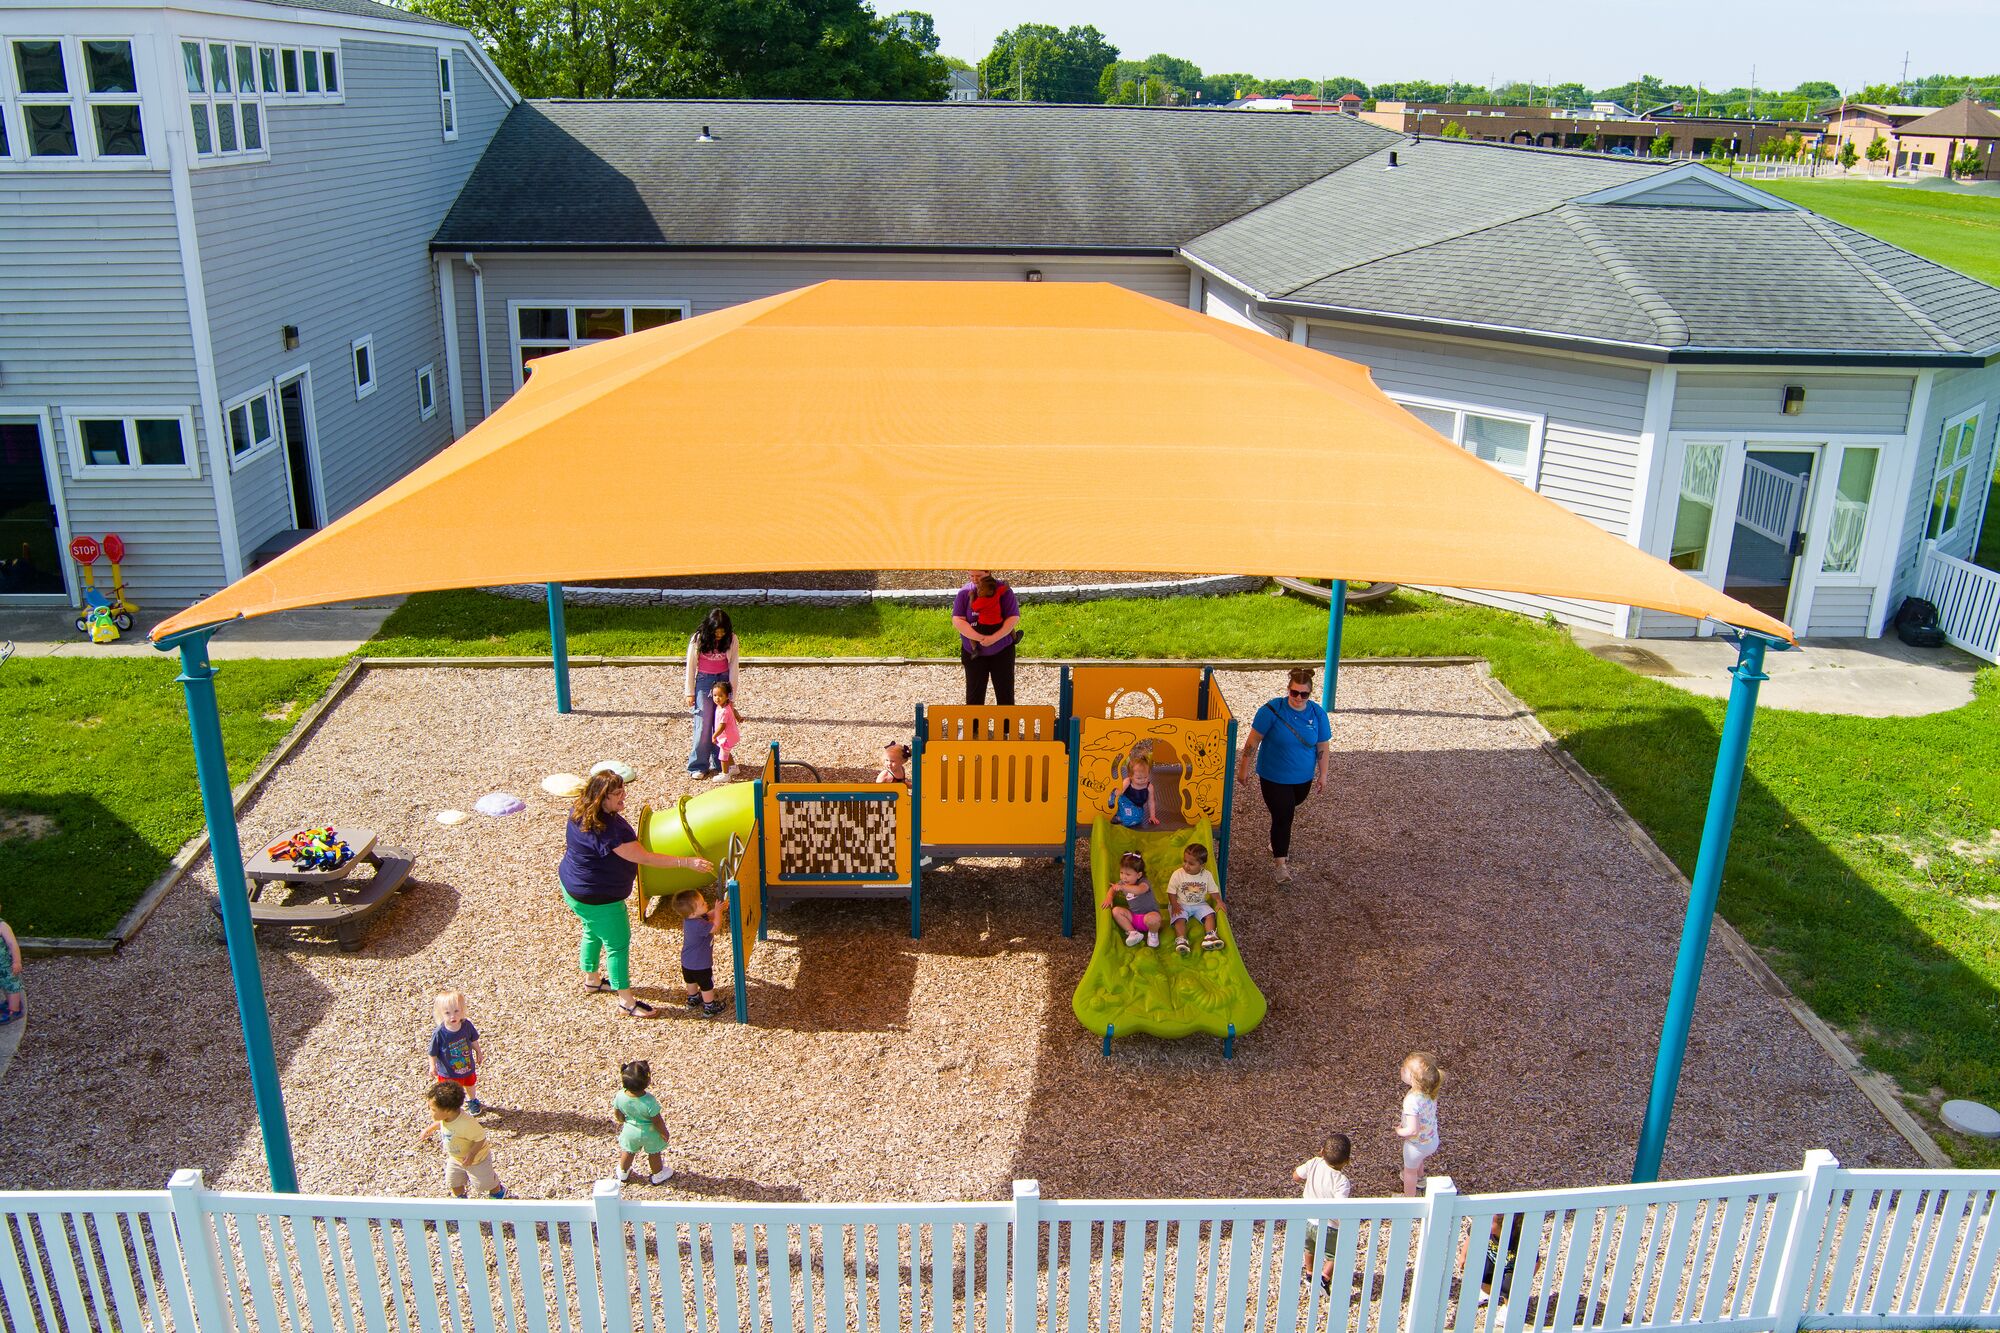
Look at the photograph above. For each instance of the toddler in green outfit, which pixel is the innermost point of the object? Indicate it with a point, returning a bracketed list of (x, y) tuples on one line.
[(641, 1128)]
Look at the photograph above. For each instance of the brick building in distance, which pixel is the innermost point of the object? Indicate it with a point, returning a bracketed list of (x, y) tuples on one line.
[(1615, 129)]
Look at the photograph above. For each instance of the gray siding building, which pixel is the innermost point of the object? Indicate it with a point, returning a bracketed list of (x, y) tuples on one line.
[(224, 345), (219, 325)]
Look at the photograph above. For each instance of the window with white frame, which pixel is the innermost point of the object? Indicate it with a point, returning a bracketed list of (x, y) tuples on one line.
[(1694, 505), (1953, 475), (134, 442), (1847, 523), (427, 405), (542, 330), (77, 100), (252, 425), (300, 72), (225, 106), (1508, 441), (363, 350), (447, 97)]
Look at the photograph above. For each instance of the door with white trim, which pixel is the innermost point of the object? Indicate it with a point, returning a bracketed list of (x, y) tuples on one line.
[(33, 565), (295, 427), (1768, 538)]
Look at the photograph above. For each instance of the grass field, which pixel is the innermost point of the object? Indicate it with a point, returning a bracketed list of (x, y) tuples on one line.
[(1960, 231), (101, 749)]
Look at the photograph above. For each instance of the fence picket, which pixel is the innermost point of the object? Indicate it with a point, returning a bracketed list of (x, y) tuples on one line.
[(1908, 1203), (996, 1281), (1722, 1268), (1982, 1267), (889, 1272), (313, 1277), (125, 1300), (1937, 1251), (1581, 1224), (1236, 1279)]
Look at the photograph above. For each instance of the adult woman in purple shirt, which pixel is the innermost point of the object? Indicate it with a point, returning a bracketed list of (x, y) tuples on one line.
[(987, 618), (601, 858)]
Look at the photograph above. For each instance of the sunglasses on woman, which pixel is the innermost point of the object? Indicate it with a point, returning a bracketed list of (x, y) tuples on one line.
[(1300, 694)]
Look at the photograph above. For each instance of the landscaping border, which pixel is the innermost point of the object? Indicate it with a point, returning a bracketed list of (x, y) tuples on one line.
[(1212, 585), (1878, 1088), (191, 851)]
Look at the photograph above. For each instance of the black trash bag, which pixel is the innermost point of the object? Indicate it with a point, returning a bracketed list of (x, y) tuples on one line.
[(1917, 624)]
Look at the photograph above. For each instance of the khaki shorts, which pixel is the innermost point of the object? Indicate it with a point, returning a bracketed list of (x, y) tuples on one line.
[(479, 1173)]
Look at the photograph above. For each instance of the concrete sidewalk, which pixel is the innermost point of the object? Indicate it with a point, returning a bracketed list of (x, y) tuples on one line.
[(1861, 677), (331, 631)]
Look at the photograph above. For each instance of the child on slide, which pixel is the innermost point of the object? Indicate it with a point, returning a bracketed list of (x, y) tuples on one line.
[(1189, 889), (1132, 903), (1137, 805)]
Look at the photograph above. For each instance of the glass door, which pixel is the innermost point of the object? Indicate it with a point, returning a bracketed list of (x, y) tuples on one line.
[(31, 555), (295, 419), (1772, 501)]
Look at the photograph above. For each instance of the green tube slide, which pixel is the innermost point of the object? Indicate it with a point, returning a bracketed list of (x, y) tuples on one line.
[(698, 825), (1158, 991)]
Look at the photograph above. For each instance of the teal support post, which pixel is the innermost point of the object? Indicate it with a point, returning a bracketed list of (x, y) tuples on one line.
[(211, 771), (1336, 622), (740, 978), (917, 825), (1069, 834), (1723, 794), (559, 646), (1228, 809)]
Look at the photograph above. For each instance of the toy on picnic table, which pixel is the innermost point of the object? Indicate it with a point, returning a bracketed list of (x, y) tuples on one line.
[(116, 609), (315, 849)]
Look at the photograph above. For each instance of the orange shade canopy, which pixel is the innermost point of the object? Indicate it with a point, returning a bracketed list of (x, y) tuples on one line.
[(941, 425)]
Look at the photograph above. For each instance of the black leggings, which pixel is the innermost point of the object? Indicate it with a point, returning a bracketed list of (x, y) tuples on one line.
[(1283, 799), (998, 668)]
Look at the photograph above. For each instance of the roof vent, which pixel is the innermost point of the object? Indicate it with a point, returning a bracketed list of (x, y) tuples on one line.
[(705, 136), (1392, 161)]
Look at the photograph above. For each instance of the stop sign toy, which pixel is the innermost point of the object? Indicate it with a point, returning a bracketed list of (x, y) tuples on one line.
[(98, 609), (83, 550)]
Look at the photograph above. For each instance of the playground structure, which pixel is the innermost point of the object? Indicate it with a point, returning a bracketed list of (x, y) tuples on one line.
[(985, 781)]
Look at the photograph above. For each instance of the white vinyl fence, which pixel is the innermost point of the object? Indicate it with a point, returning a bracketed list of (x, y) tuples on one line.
[(1967, 598), (1822, 1247)]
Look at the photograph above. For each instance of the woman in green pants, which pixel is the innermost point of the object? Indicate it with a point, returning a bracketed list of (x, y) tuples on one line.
[(601, 858)]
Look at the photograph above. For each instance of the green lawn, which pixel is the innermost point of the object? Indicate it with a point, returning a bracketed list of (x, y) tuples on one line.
[(101, 747), (1863, 859), (1988, 553), (1961, 231)]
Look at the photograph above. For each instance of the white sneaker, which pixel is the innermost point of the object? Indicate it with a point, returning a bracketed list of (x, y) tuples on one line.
[(666, 1174), (1132, 938), (1152, 939), (719, 775)]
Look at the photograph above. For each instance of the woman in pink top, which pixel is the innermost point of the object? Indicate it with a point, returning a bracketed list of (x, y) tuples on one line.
[(711, 660)]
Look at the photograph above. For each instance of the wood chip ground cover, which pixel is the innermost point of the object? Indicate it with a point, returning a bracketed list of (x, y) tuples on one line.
[(1456, 891)]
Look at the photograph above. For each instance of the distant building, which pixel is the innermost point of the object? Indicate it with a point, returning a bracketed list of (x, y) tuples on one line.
[(1613, 128), (1929, 145), (1860, 123), (963, 86)]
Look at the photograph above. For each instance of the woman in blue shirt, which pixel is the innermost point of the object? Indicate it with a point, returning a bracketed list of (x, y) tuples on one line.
[(1290, 742), (601, 858)]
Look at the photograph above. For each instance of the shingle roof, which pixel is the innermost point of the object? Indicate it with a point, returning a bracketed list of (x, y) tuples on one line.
[(1480, 234), (929, 176), (1963, 119), (366, 9)]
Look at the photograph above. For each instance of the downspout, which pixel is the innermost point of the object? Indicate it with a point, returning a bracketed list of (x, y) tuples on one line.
[(479, 317), (454, 372)]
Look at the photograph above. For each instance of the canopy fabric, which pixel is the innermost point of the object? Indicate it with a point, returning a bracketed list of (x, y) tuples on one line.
[(939, 425)]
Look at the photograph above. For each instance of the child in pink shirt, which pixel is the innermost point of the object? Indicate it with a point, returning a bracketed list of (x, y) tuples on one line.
[(726, 733)]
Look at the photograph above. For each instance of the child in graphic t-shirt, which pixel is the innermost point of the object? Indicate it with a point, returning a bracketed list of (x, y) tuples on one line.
[(699, 922), (1132, 903), (1325, 1178), (455, 1051), (468, 1156), (1189, 889)]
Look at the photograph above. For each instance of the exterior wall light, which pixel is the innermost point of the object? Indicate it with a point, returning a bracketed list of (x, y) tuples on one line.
[(290, 336), (1795, 399)]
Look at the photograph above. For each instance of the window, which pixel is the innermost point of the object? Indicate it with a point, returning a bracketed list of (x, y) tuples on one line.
[(447, 98), (1510, 443), (364, 367), (251, 426), (77, 100), (1853, 488), (426, 393), (130, 441), (300, 72), (1694, 512), (545, 330), (1954, 469), (225, 104)]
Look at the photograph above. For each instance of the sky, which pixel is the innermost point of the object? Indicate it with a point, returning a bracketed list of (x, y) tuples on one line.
[(1595, 42)]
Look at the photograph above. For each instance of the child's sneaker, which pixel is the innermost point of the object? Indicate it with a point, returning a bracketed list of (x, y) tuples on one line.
[(1212, 942), (473, 1106), (499, 1192), (711, 1009), (1181, 948), (1152, 939), (1132, 938), (666, 1174), (694, 1001)]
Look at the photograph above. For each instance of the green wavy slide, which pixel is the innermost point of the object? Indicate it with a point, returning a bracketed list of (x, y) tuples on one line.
[(1157, 991)]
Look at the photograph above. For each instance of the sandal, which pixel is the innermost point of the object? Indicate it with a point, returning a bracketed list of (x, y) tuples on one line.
[(601, 986), (638, 1009)]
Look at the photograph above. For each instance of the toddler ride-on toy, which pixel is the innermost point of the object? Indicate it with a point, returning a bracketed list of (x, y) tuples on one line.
[(117, 606)]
